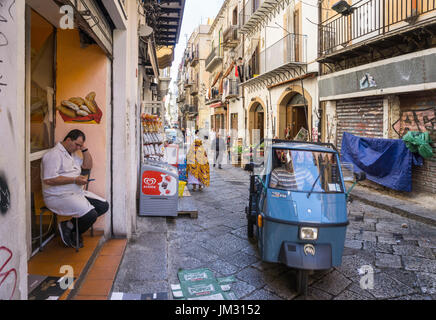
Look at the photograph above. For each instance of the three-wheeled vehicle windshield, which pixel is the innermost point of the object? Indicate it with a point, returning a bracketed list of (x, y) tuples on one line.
[(305, 171)]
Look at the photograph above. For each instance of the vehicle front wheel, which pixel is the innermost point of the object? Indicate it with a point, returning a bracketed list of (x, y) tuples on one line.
[(302, 282)]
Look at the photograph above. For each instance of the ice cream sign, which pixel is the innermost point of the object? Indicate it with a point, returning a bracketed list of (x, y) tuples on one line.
[(155, 183)]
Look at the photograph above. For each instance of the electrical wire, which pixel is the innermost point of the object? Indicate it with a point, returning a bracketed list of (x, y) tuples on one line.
[(315, 6)]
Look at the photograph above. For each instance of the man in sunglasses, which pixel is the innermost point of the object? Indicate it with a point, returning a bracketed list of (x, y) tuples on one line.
[(63, 180)]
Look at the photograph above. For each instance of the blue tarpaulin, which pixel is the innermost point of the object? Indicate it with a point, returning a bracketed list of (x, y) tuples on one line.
[(385, 161)]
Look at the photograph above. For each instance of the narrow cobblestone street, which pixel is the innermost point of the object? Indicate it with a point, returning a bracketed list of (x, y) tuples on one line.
[(400, 251)]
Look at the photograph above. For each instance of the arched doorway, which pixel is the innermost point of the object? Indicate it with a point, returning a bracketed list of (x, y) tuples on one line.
[(259, 119), (256, 119), (296, 116), (295, 112)]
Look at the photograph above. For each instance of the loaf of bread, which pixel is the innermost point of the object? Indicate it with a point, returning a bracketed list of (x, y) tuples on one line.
[(66, 111), (90, 105), (82, 113), (69, 104), (85, 108), (91, 96), (77, 101)]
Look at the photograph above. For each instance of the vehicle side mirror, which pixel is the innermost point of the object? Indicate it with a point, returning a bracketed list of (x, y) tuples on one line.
[(360, 176)]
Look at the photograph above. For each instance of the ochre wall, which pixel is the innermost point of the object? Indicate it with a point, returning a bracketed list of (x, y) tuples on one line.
[(80, 71)]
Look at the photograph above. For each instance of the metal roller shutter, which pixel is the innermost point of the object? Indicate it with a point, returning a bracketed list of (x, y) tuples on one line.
[(361, 117)]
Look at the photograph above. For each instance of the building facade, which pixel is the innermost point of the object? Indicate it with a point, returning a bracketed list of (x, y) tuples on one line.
[(377, 78), (279, 70)]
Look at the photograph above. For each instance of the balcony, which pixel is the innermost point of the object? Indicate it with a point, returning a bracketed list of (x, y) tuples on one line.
[(188, 83), (191, 109), (290, 52), (231, 89), (215, 97), (194, 88), (187, 57), (214, 58), (231, 37), (375, 25), (195, 58), (256, 12), (180, 97)]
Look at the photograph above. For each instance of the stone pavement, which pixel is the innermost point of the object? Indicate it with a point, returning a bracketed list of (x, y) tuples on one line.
[(400, 251), (424, 212)]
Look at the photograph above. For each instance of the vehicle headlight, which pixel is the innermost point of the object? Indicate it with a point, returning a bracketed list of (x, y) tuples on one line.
[(308, 233)]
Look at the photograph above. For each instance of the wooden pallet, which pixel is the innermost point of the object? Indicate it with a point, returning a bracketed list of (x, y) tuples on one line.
[(187, 206)]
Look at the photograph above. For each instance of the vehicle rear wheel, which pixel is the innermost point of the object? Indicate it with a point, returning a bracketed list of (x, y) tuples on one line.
[(302, 282)]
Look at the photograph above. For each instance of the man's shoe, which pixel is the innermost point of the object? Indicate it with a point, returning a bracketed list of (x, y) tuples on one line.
[(219, 167), (66, 234)]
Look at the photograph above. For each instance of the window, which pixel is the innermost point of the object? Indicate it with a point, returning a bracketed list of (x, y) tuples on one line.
[(235, 16), (40, 81), (305, 171)]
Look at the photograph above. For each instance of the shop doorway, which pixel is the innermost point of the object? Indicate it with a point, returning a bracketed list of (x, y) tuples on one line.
[(256, 122), (293, 115), (259, 117), (40, 111)]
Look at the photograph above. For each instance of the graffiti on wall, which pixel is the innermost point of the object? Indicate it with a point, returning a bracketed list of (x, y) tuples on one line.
[(5, 15), (7, 276), (5, 196), (423, 120)]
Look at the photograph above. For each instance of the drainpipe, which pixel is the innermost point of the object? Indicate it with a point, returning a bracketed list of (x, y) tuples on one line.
[(112, 149)]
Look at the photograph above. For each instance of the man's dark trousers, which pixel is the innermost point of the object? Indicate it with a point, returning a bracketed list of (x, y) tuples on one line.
[(86, 221)]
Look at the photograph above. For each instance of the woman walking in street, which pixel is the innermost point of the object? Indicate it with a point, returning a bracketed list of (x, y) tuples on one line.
[(198, 166)]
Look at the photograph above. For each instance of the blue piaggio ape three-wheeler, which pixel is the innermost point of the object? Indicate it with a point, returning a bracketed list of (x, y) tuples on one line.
[(298, 206)]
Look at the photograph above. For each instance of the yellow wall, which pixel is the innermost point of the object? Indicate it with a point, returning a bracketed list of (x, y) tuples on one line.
[(80, 71)]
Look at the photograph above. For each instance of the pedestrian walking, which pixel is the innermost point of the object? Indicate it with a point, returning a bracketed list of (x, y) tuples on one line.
[(198, 166), (218, 146)]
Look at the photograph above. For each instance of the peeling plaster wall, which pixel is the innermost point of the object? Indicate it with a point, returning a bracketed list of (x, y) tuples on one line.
[(13, 250)]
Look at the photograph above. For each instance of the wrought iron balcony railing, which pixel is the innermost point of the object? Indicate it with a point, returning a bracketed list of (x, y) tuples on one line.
[(231, 37), (231, 88), (195, 57), (214, 57), (194, 88), (369, 19)]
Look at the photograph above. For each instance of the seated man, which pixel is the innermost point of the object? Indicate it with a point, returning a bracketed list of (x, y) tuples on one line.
[(283, 177), (63, 182), (287, 177)]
